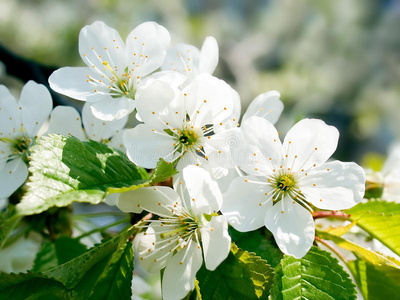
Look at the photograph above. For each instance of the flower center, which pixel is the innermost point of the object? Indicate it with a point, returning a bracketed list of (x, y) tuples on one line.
[(122, 85), (285, 182), (285, 185), (19, 146), (188, 139), (174, 233)]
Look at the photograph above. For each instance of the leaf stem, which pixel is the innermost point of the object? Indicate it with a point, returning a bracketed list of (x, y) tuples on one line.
[(330, 214), (100, 229), (100, 214), (332, 248)]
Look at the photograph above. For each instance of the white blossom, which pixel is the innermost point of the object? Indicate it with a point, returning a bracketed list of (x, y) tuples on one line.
[(286, 181), (67, 121), (114, 69), (391, 175), (181, 123), (20, 122), (190, 61), (187, 227)]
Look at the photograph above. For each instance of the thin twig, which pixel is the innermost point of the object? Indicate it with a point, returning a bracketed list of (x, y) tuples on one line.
[(336, 251), (330, 214)]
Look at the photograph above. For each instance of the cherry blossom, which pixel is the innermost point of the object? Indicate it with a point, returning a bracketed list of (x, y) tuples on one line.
[(114, 69), (181, 123), (20, 122), (286, 181), (190, 61), (187, 227), (108, 132)]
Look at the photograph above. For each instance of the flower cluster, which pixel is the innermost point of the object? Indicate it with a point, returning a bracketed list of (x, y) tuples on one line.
[(228, 171)]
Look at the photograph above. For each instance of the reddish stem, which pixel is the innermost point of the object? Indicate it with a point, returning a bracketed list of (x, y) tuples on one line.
[(336, 251), (330, 214)]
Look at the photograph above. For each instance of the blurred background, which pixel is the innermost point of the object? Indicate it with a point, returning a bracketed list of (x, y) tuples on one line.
[(334, 60)]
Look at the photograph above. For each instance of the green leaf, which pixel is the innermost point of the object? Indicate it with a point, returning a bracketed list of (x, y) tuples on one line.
[(8, 221), (115, 281), (261, 244), (368, 255), (32, 286), (243, 275), (58, 252), (103, 272), (72, 272), (65, 170), (340, 230), (163, 171), (375, 283), (317, 275), (381, 220)]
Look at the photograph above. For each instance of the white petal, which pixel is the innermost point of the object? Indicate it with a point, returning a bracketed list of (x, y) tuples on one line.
[(157, 200), (216, 242), (117, 141), (190, 158), (10, 119), (110, 109), (174, 79), (98, 43), (392, 163), (183, 59), (97, 129), (309, 142), (66, 120), (266, 105), (391, 190), (156, 106), (112, 199), (241, 205), (12, 176), (145, 147), (36, 105), (180, 273), (261, 148), (293, 229), (209, 55), (205, 196), (151, 41), (5, 152), (334, 185), (159, 254), (219, 147), (224, 177), (209, 100), (72, 82)]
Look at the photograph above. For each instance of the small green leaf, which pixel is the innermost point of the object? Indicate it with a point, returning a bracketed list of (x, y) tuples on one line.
[(32, 285), (243, 275), (115, 282), (103, 272), (375, 283), (66, 170), (340, 230), (72, 272), (370, 256), (317, 275), (260, 242), (8, 221), (381, 220), (163, 171), (58, 252)]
